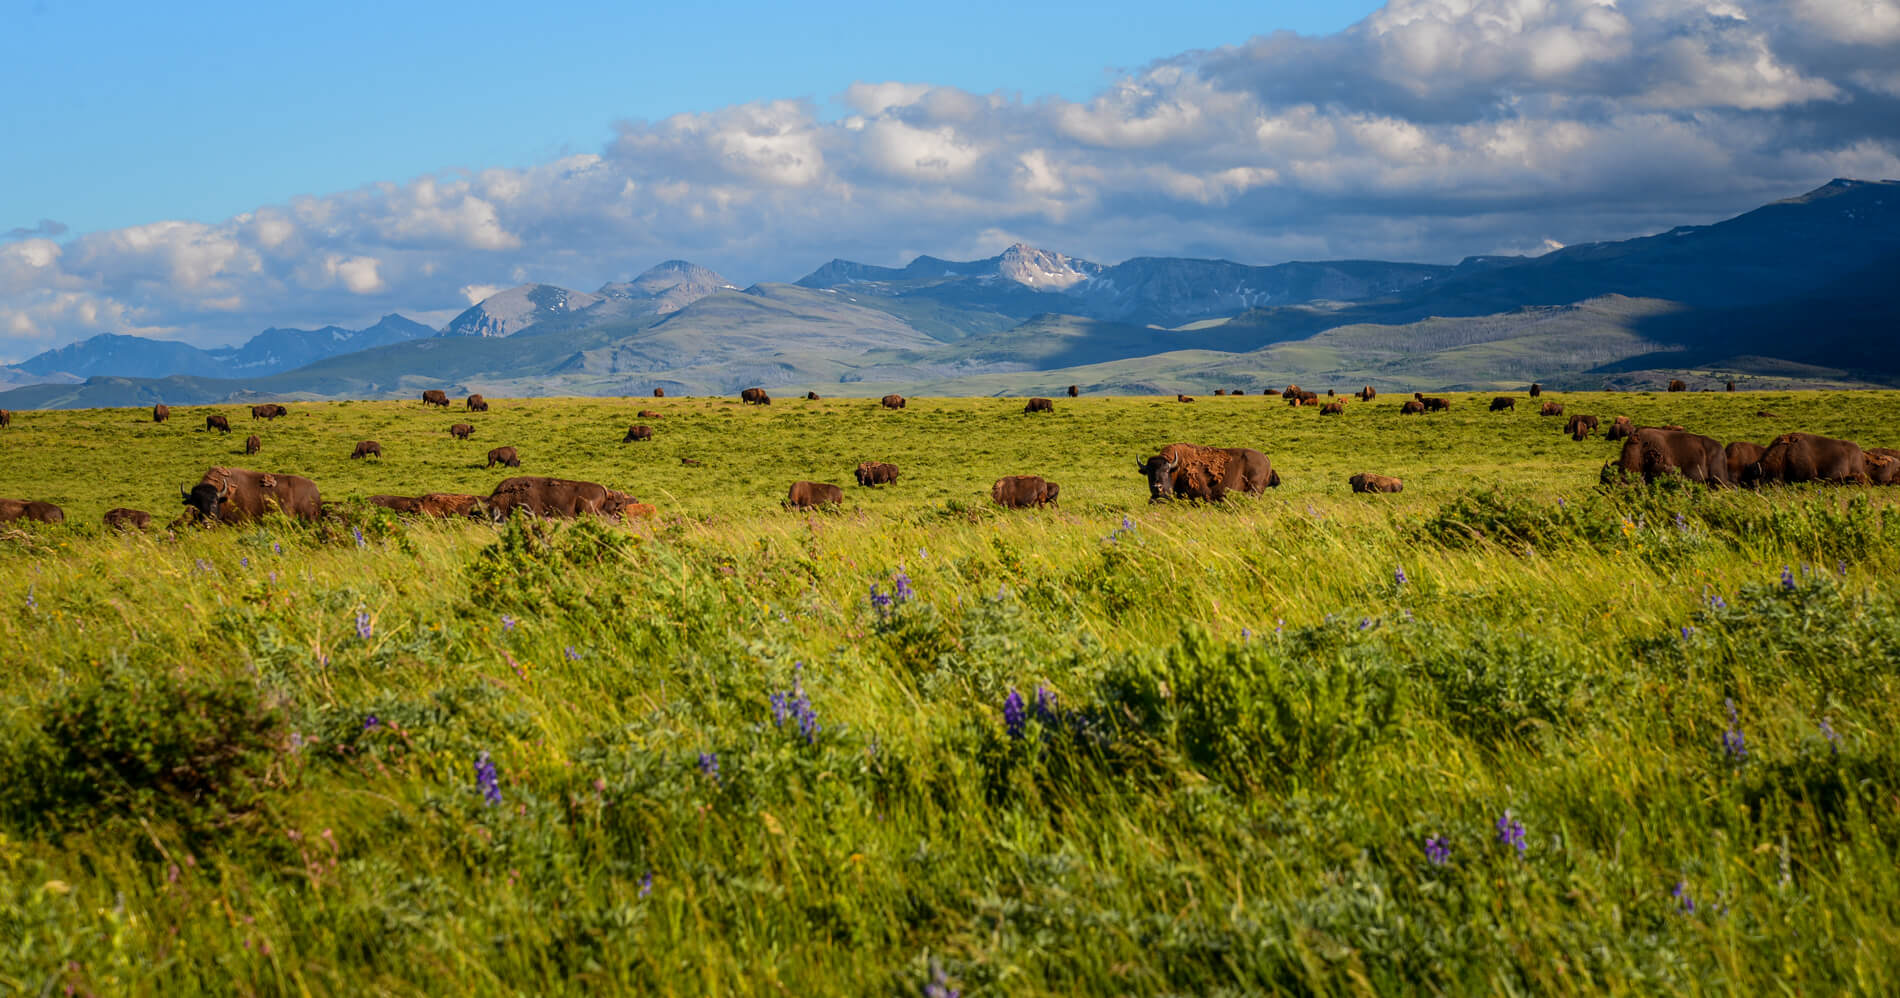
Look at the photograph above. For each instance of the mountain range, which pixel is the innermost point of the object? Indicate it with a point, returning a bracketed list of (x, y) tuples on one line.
[(1798, 292)]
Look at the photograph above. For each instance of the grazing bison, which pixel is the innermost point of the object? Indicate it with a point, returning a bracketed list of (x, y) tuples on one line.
[(1024, 491), (6, 418), (252, 444), (754, 396), (1367, 394), (637, 432), (477, 404), (269, 410), (1654, 453), (1183, 398), (1536, 389), (443, 504), (1189, 471), (1412, 407), (161, 412), (367, 448), (217, 422), (1883, 465), (892, 401), (811, 396), (1730, 388), (234, 495), (1437, 405), (30, 509), (1676, 385), (400, 504), (1075, 390), (1220, 391), (1739, 456), (876, 473), (436, 396), (1368, 482), (1620, 428), (553, 497), (461, 431), (647, 414), (689, 462), (811, 495), (1039, 405), (1580, 426), (122, 518), (1551, 409), (1503, 402), (503, 456), (1332, 408), (1291, 392), (1807, 457)]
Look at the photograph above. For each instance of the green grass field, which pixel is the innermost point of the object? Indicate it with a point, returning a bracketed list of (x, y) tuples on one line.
[(1509, 731)]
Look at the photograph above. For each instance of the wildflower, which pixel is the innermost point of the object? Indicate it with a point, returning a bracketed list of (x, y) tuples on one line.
[(1717, 603), (31, 603), (360, 542), (1833, 737), (1398, 575), (900, 586), (276, 548), (1683, 900), (1127, 524), (709, 764), (1732, 743), (1787, 579), (939, 984), (1561, 504), (487, 780), (1682, 523), (1279, 624), (1686, 631), (370, 722), (362, 624), (573, 654), (205, 566), (244, 562), (1013, 718), (1511, 832), (794, 705), (1045, 705), (1246, 634), (1437, 851), (879, 599), (1841, 568), (1365, 622), (646, 884)]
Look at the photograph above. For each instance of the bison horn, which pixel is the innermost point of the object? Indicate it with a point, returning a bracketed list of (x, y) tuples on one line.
[(184, 492)]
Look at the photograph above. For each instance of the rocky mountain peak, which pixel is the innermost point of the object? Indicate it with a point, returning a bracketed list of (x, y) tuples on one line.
[(1043, 270)]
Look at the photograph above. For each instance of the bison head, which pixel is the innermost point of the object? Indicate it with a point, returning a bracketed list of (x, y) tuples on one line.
[(1160, 474), (205, 498)]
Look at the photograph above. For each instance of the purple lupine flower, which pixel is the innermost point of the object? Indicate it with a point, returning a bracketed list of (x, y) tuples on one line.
[(796, 706), (1279, 624), (880, 599), (939, 984), (205, 566), (1682, 523), (370, 722), (1683, 900), (646, 884), (573, 654), (360, 542), (1787, 579), (1246, 634), (1511, 832), (709, 764), (1841, 568), (507, 623), (276, 548), (244, 562), (781, 707), (1686, 631), (1437, 851), (1833, 737), (1045, 705), (900, 586), (1398, 575), (1365, 622), (1717, 603), (1560, 503), (1013, 718), (362, 624), (1733, 745), (487, 780)]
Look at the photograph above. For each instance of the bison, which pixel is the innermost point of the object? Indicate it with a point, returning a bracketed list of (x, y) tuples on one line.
[(1730, 388), (811, 396), (443, 504), (1551, 409), (1183, 398), (551, 497), (217, 422), (811, 495), (1437, 405), (1039, 405), (872, 473), (647, 414), (477, 404), (436, 396), (1580, 426), (367, 448), (755, 396), (1368, 482), (1190, 471), (1412, 407), (400, 504), (1654, 453), (122, 518), (1220, 392), (1075, 390), (1676, 385), (659, 393), (1291, 392), (1883, 465), (637, 432), (1536, 389), (690, 462), (1332, 408), (234, 495), (30, 509), (1739, 456), (252, 444), (161, 412), (1024, 491), (461, 431), (892, 401), (1620, 428), (505, 456), (1503, 402), (6, 418), (269, 410), (1807, 457), (1368, 393)]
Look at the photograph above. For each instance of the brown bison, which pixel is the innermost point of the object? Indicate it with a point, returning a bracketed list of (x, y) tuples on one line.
[(1075, 390), (1412, 407), (1730, 388), (554, 497), (505, 456), (637, 432), (400, 504), (6, 418), (1332, 408), (1739, 456), (367, 448), (1189, 471), (892, 401), (811, 396), (1367, 394), (161, 412), (1654, 453), (1620, 427), (1883, 465), (1503, 402), (1580, 426), (647, 414), (754, 396), (30, 509), (234, 495), (461, 431), (876, 473), (1039, 405), (122, 518), (436, 396), (252, 444), (477, 404), (217, 422), (811, 495), (269, 410), (1024, 491), (444, 504), (1291, 392), (1367, 482), (1807, 457), (690, 462), (1183, 398), (1220, 391), (1536, 389), (659, 393), (1676, 385), (1437, 405), (1551, 409)]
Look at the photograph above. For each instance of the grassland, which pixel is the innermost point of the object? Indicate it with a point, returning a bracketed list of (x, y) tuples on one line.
[(737, 750)]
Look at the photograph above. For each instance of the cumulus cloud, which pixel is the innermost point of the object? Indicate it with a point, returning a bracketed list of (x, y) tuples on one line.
[(1430, 130)]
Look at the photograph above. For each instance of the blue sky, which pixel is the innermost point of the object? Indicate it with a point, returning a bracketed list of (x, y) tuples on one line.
[(121, 113)]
